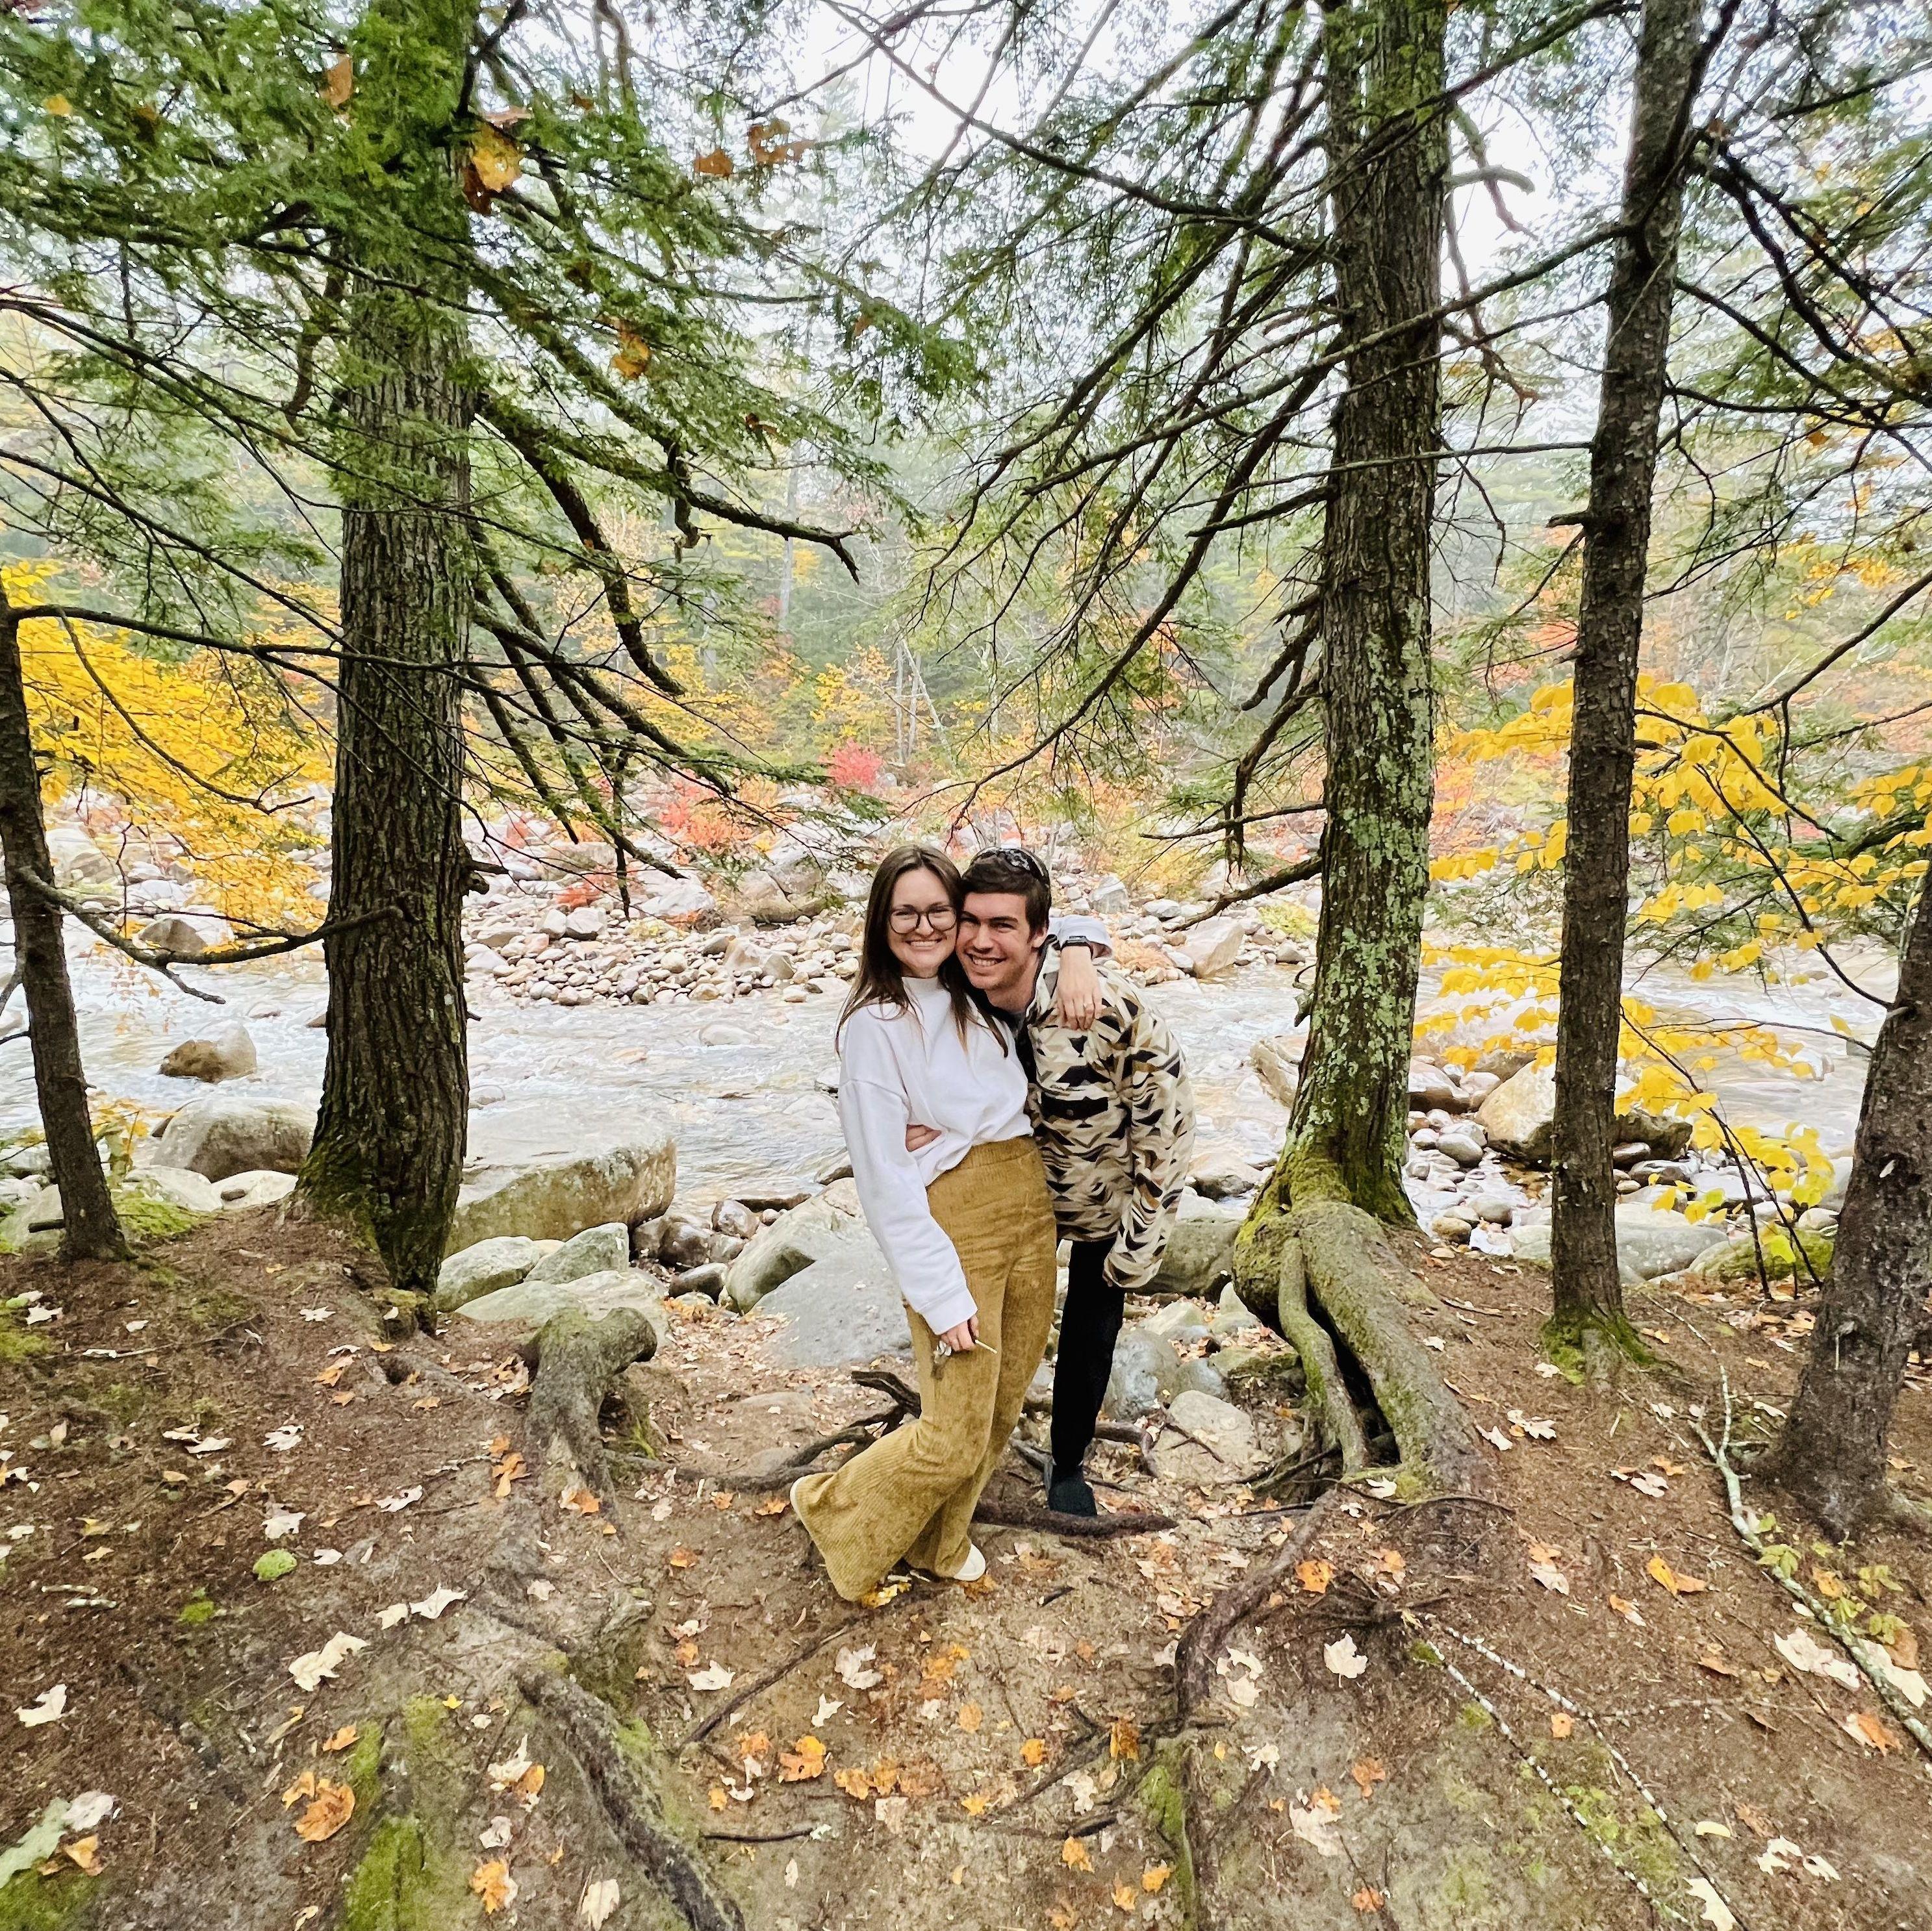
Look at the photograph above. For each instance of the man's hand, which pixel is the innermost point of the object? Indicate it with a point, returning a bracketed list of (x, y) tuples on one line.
[(965, 1337), (1078, 999), (917, 1137)]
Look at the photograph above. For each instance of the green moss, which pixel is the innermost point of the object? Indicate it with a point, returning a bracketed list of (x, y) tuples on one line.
[(1474, 1716), (17, 1345), (32, 1903), (1643, 1845), (1468, 1887), (394, 1887), (361, 1768), (1586, 1346), (271, 1565), (1424, 1652), (145, 1215), (1159, 1795), (218, 1308), (198, 1609)]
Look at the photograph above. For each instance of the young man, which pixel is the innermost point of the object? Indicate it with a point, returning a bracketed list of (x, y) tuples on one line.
[(1114, 1115)]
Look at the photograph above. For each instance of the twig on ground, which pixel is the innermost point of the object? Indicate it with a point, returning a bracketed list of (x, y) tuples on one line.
[(1051, 1521), (1870, 1659), (760, 1684)]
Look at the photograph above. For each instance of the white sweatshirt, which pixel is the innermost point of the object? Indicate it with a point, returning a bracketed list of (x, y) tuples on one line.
[(897, 1068), (900, 1069)]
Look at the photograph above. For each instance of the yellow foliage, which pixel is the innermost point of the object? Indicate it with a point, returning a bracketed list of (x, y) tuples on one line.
[(206, 759)]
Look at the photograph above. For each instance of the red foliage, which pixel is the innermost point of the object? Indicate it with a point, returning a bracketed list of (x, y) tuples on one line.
[(854, 767)]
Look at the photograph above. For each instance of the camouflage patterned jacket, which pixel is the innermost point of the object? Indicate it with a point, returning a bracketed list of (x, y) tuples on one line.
[(1114, 1115)]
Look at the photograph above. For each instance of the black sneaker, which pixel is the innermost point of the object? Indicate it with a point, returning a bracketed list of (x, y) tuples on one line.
[(1068, 1495)]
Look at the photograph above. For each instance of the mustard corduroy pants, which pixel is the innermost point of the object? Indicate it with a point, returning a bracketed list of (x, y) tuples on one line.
[(910, 1497)]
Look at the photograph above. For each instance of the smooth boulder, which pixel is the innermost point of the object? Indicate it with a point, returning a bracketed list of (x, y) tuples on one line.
[(1200, 1252), (835, 1313), (1277, 1059), (484, 1268), (171, 933), (1650, 1243), (1219, 1447), (225, 1134), (227, 1052), (521, 1311), (602, 1249), (1214, 947), (1144, 1372), (262, 1188), (1519, 1115), (553, 1197), (1774, 1255)]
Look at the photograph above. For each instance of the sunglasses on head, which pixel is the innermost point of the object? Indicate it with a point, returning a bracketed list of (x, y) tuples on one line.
[(1020, 858)]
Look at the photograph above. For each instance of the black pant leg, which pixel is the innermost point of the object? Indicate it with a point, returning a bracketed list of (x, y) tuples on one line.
[(1090, 1324)]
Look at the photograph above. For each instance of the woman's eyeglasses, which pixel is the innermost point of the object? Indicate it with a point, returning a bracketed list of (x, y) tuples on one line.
[(910, 918)]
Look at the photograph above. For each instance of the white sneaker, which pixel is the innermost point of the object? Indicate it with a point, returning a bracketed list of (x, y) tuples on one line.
[(791, 1494), (972, 1569)]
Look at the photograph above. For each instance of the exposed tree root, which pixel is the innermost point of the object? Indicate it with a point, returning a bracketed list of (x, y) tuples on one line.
[(1202, 1641), (1051, 1521), (1321, 1370), (1596, 1344), (577, 1360), (587, 1726), (759, 1684), (1364, 1291)]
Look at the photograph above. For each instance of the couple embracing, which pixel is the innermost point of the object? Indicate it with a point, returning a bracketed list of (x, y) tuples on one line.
[(999, 1090)]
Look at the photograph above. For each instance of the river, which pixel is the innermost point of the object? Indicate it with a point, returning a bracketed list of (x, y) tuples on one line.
[(552, 1079)]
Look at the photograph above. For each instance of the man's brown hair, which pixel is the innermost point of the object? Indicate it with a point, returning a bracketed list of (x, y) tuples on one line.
[(1013, 868)]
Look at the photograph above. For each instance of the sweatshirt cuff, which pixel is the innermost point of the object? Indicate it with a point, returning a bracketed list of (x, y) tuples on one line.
[(955, 1306)]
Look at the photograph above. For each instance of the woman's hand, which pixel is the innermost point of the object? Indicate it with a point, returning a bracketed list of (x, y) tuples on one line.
[(1078, 1003), (917, 1136), (964, 1338)]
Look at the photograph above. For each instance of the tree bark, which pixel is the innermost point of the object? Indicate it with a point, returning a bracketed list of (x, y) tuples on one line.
[(1609, 631), (1831, 1456), (91, 1230), (390, 1130), (1388, 158)]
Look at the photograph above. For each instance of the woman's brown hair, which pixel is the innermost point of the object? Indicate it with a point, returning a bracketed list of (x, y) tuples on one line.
[(881, 979)]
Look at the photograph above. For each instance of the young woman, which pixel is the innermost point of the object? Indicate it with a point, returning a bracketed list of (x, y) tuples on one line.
[(965, 1222)]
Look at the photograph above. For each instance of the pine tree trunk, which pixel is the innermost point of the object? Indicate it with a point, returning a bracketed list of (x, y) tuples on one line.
[(1346, 1141), (1603, 748), (91, 1229), (390, 1131), (1831, 1456)]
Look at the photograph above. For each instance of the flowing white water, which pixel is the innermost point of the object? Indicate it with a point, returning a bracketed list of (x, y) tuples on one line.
[(548, 1078)]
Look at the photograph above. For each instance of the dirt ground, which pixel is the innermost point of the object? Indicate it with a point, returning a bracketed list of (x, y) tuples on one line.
[(657, 1713)]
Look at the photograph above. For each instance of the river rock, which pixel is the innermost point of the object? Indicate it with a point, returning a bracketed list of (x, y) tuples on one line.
[(1772, 1256), (173, 933), (844, 1309), (262, 1188), (227, 1133), (1649, 1242), (1430, 1088), (584, 921), (679, 898), (1518, 1117), (1224, 1450), (1454, 1228), (734, 1219), (178, 1187), (602, 1249), (1110, 897), (559, 1195), (762, 899), (227, 1052), (719, 1033), (1201, 1377), (1464, 1144), (819, 1234), (79, 864), (1232, 1320), (708, 1280), (1178, 1323), (1145, 1367), (1223, 1173), (1214, 949), (482, 1269), (1277, 1059), (684, 1243), (1200, 1250), (519, 1311)]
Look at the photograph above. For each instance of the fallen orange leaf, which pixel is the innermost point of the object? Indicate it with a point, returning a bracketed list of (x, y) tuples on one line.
[(1154, 1876), (1073, 1855), (804, 1761), (1366, 1899), (1660, 1572), (343, 1738), (85, 1851), (681, 1558), (1562, 1724), (1123, 1740), (493, 1883), (971, 1715), (1123, 1898), (1033, 1752), (580, 1499), (1368, 1772), (1315, 1576), (334, 1805)]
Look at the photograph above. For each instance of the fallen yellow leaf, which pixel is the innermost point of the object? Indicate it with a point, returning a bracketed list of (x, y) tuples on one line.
[(1033, 1752), (85, 1851), (1123, 1898), (971, 1715), (303, 1786), (1073, 1855), (716, 1797), (1660, 1572), (804, 1761), (1123, 1740), (493, 1883), (1154, 1876), (1562, 1724)]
